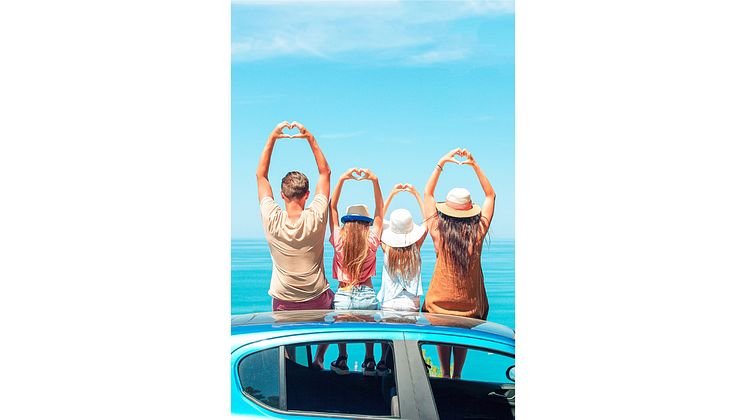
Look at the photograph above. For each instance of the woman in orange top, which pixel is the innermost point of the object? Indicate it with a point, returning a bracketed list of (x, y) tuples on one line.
[(458, 228)]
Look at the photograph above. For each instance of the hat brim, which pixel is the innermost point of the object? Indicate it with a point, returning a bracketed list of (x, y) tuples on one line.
[(399, 240), (461, 214), (356, 218)]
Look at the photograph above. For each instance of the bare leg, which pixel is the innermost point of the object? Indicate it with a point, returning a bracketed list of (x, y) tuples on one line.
[(444, 354), (320, 352), (340, 365), (342, 349), (369, 351), (290, 353), (459, 357)]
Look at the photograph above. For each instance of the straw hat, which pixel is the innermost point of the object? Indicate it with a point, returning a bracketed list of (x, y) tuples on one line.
[(357, 213), (401, 231), (458, 204)]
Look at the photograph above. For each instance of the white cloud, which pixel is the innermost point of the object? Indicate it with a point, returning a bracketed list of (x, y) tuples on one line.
[(382, 32), (439, 56), (487, 7)]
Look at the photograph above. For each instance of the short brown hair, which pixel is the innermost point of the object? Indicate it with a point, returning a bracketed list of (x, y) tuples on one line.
[(294, 185)]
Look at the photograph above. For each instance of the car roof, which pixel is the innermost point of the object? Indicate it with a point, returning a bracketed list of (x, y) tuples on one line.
[(403, 321)]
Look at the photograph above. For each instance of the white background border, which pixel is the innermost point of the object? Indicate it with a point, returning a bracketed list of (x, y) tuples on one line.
[(115, 214)]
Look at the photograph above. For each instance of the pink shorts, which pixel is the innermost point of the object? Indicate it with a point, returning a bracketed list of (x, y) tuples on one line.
[(322, 301)]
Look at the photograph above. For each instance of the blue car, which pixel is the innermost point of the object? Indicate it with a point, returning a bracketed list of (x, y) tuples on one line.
[(272, 374)]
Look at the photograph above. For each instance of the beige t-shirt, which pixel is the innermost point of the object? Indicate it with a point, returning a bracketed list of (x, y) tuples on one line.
[(297, 249)]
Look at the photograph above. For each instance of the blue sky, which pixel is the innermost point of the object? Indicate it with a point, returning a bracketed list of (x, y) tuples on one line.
[(390, 86)]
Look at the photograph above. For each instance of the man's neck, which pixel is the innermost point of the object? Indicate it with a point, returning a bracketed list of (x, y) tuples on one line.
[(294, 210)]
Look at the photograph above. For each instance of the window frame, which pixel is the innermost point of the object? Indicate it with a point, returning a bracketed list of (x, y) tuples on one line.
[(420, 377), (421, 343), (253, 399), (401, 371)]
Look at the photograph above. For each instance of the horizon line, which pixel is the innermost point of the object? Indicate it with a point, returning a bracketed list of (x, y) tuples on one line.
[(502, 238)]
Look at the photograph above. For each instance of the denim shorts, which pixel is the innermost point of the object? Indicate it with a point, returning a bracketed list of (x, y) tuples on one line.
[(356, 297)]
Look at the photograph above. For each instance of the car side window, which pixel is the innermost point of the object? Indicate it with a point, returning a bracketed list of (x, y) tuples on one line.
[(259, 376), (341, 391), (470, 382)]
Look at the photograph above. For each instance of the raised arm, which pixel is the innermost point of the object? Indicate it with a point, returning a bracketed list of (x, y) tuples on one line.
[(262, 170), (394, 191), (378, 214), (325, 172), (488, 208), (429, 206), (410, 189), (333, 212)]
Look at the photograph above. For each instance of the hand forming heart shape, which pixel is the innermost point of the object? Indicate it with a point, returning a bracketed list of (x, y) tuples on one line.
[(460, 158), (359, 174), (468, 159), (302, 132), (290, 134)]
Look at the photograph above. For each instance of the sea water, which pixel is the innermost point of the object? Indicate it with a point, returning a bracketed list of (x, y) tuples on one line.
[(251, 269)]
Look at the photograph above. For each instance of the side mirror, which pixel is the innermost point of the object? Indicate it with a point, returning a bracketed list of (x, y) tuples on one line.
[(510, 373)]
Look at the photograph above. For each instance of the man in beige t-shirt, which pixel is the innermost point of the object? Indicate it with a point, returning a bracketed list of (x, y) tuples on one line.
[(296, 235)]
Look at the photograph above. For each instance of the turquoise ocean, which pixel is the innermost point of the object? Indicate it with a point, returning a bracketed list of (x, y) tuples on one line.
[(251, 269)]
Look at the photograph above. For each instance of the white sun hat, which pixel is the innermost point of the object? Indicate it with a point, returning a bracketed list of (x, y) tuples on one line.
[(458, 204), (401, 231)]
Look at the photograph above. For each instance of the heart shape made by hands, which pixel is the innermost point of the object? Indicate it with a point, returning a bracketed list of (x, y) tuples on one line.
[(291, 134), (359, 175), (459, 158)]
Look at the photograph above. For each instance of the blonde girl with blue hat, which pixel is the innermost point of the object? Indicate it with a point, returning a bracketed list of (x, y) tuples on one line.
[(401, 280), (355, 243)]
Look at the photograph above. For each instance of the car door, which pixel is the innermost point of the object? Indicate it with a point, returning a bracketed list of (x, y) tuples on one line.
[(486, 388), (280, 382)]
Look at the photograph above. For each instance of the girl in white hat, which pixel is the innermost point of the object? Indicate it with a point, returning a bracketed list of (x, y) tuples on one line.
[(458, 228), (401, 241)]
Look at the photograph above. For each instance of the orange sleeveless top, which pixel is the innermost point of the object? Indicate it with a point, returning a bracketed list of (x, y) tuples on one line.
[(451, 295)]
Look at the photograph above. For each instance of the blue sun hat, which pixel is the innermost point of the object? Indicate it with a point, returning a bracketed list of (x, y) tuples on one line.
[(357, 213)]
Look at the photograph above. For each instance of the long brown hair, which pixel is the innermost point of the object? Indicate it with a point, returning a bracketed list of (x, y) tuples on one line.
[(354, 239), (459, 238), (404, 262)]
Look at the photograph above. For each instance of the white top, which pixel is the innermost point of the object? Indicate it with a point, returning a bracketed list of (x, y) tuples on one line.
[(393, 288)]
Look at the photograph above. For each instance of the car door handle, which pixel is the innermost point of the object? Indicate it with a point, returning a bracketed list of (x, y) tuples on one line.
[(497, 394)]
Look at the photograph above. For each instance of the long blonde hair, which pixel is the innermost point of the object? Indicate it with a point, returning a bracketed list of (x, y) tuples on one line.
[(404, 262), (354, 239)]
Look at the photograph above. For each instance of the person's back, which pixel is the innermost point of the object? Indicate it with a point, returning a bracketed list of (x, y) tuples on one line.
[(458, 227), (398, 293), (297, 249), (296, 235), (461, 294), (401, 240)]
